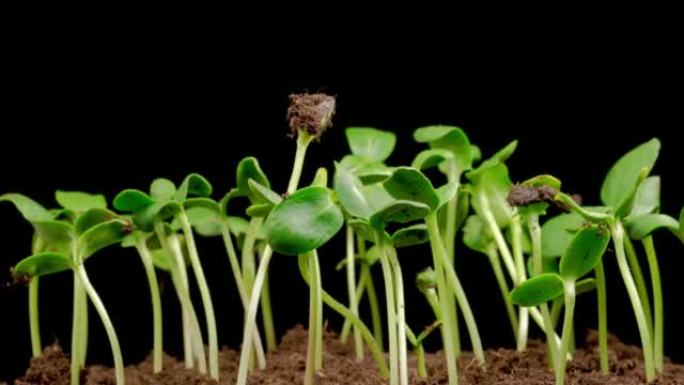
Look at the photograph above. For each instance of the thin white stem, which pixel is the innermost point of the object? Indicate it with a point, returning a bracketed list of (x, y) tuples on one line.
[(391, 314), (155, 298), (519, 259), (36, 346), (567, 330), (75, 332), (351, 291), (303, 140), (401, 315), (504, 251)]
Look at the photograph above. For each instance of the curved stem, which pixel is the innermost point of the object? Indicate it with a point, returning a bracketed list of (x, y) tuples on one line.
[(505, 252), (250, 319), (567, 331), (493, 257), (204, 292), (640, 282), (351, 291), (158, 349), (646, 344), (106, 322), (34, 318), (419, 351), (602, 316), (376, 319), (391, 313), (360, 291), (303, 140), (401, 315), (248, 261), (658, 333)]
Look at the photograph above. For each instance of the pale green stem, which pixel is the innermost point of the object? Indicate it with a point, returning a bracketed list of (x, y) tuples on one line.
[(83, 328), (267, 316), (76, 320), (458, 291), (433, 300), (205, 294), (34, 318), (360, 290), (602, 317), (314, 277), (155, 298), (454, 176), (646, 343), (248, 261), (242, 292), (401, 315), (447, 333), (376, 319), (658, 334), (250, 319), (640, 282), (351, 291), (419, 352), (106, 322), (518, 258), (391, 313), (567, 330), (319, 315), (303, 140), (505, 252), (493, 257)]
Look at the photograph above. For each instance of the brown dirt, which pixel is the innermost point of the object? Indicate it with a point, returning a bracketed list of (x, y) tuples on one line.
[(286, 367)]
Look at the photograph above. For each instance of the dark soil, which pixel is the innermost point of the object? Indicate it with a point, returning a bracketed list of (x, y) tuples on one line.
[(286, 367)]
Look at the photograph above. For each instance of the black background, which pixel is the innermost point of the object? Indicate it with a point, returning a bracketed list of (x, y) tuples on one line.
[(115, 114)]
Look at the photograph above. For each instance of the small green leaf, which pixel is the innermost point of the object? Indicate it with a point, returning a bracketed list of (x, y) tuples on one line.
[(162, 211), (410, 236), (426, 279), (362, 228), (449, 138), (463, 208), (79, 201), (549, 265), (27, 207), (225, 201), (162, 260), (400, 211), (91, 218), (43, 264), (370, 143), (498, 158), (493, 184), (543, 180), (557, 233), (206, 203), (621, 181), (238, 225), (641, 226), (263, 194), (351, 194), (131, 201), (321, 177), (407, 183), (585, 285), (368, 172), (476, 235), (205, 220), (247, 169), (304, 221), (372, 255), (259, 210), (194, 185), (162, 189), (647, 197), (56, 233), (101, 236), (447, 192), (538, 290), (431, 158), (584, 251)]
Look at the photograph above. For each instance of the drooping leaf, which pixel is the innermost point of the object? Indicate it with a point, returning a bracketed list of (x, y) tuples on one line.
[(621, 181), (410, 236), (431, 158), (372, 255), (400, 211), (247, 169), (263, 194), (27, 207), (407, 183), (91, 218), (584, 251), (304, 221), (225, 201), (193, 185), (641, 226), (43, 264), (370, 143), (238, 225), (101, 236), (647, 197), (161, 259), (162, 189), (56, 233), (476, 235), (80, 201), (538, 290), (351, 193), (585, 285), (131, 201)]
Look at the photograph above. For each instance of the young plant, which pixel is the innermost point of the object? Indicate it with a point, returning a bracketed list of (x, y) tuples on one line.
[(582, 255), (93, 228), (308, 117), (417, 344)]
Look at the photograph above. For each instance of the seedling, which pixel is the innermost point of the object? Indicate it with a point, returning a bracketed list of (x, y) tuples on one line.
[(417, 344)]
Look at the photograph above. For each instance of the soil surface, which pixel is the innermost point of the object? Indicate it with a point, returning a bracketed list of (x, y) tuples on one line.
[(286, 367)]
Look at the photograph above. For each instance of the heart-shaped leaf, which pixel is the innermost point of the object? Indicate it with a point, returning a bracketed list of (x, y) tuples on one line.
[(410, 236), (27, 207), (43, 264), (431, 158), (162, 189), (370, 143), (538, 290), (194, 185), (448, 138), (247, 169), (101, 236), (79, 201), (621, 181), (304, 221), (131, 201), (400, 211), (493, 184), (647, 197), (263, 194), (351, 194), (91, 218), (476, 235), (321, 177), (584, 251), (641, 226), (407, 183)]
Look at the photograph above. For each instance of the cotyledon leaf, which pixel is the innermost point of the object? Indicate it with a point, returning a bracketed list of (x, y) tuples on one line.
[(538, 290), (43, 264)]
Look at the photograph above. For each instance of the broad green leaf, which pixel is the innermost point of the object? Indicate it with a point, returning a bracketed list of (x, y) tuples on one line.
[(194, 185), (206, 203), (447, 192), (238, 225), (647, 197), (641, 226), (431, 158), (321, 177), (621, 181), (410, 236), (557, 233), (493, 184), (162, 189), (407, 183), (400, 211), (43, 264), (56, 233), (584, 251), (131, 201), (351, 194), (304, 221), (263, 194), (27, 207), (426, 279), (101, 236), (538, 290), (247, 169), (91, 218), (79, 201), (370, 143), (368, 172), (206, 221), (549, 265), (259, 210), (476, 235), (162, 211), (449, 138), (161, 259)]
